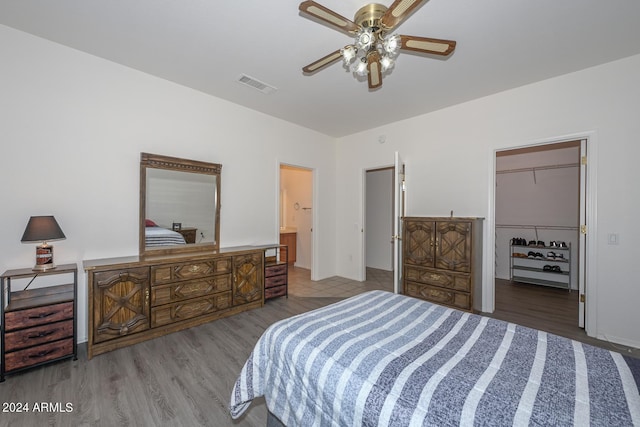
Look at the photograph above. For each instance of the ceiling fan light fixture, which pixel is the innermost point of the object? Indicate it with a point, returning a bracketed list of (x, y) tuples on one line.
[(374, 50)]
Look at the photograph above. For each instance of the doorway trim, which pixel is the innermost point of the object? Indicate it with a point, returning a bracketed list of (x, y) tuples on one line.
[(590, 267)]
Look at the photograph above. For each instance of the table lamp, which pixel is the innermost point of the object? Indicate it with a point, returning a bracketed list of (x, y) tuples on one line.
[(43, 229)]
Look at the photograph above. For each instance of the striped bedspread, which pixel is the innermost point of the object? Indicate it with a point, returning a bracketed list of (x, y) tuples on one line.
[(390, 360), (158, 236)]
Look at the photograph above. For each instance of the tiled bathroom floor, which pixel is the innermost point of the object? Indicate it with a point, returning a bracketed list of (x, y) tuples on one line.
[(300, 284)]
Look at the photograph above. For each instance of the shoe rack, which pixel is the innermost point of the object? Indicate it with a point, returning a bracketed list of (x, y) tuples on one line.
[(541, 263)]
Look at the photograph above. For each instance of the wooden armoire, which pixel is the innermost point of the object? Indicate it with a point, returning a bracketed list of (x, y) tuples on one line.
[(442, 260)]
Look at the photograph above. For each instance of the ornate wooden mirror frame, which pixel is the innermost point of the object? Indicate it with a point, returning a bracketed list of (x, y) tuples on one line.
[(182, 170)]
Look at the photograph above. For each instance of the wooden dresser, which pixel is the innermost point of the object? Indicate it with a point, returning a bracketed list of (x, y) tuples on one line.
[(133, 299), (442, 260)]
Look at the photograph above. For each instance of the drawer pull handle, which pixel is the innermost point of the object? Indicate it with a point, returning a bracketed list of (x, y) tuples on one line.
[(435, 277), (42, 334), (43, 315), (42, 353), (194, 268)]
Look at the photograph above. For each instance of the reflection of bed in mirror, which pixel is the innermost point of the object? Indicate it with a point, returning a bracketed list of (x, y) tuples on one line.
[(158, 236), (186, 192)]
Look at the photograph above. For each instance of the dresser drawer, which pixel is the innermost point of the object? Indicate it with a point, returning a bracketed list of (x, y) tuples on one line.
[(20, 319), (41, 353), (165, 294), (277, 291), (438, 295), (270, 282), (189, 270), (38, 335), (275, 270), (176, 312), (440, 278)]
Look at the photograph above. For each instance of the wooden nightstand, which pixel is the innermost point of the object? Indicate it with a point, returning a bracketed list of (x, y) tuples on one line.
[(189, 234), (276, 272), (38, 325)]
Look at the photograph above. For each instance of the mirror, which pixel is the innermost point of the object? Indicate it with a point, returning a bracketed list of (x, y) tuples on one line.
[(179, 205)]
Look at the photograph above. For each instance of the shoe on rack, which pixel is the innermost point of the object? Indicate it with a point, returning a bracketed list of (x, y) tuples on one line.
[(539, 255), (553, 244), (547, 268), (551, 255), (532, 243), (560, 257), (562, 244), (556, 269), (531, 254), (540, 244)]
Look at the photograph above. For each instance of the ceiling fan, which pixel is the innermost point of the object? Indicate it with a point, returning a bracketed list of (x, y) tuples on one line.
[(374, 49)]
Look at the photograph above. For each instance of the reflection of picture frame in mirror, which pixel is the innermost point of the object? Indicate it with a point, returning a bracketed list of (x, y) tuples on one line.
[(177, 226)]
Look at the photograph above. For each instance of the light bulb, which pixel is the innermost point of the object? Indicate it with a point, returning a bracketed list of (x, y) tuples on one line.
[(364, 39), (360, 67), (386, 63), (348, 54), (391, 44)]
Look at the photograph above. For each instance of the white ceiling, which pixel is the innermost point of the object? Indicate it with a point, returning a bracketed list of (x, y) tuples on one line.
[(207, 44)]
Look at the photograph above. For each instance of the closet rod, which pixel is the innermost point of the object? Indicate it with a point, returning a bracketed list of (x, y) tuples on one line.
[(538, 227), (539, 168)]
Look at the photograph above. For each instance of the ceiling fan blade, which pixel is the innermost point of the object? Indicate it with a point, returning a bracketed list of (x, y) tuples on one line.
[(323, 62), (328, 16), (375, 70), (427, 45), (397, 12)]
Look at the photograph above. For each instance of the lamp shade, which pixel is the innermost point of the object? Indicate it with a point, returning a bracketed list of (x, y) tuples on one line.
[(42, 229)]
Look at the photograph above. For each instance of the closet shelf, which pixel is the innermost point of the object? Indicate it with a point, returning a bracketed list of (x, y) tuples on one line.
[(525, 268), (535, 169)]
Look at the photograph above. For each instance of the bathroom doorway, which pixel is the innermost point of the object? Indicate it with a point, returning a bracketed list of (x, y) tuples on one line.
[(296, 214)]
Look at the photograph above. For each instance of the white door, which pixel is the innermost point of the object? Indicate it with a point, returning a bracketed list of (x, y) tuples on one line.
[(398, 214), (582, 237)]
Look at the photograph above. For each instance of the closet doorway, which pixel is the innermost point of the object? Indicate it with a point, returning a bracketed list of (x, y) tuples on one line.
[(540, 248), (378, 229), (296, 214)]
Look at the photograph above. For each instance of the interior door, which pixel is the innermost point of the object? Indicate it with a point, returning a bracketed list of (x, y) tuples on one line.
[(582, 237), (398, 214)]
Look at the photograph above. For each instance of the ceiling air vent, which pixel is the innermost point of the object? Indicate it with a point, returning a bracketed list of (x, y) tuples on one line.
[(256, 84)]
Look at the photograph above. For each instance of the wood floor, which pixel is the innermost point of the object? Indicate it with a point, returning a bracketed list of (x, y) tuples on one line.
[(549, 309), (185, 378)]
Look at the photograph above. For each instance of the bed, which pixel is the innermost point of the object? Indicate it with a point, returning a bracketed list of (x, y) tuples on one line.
[(158, 236), (384, 359)]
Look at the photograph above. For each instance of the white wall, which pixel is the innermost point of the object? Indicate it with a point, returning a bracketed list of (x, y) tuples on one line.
[(449, 156), (379, 219), (297, 186), (73, 126)]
